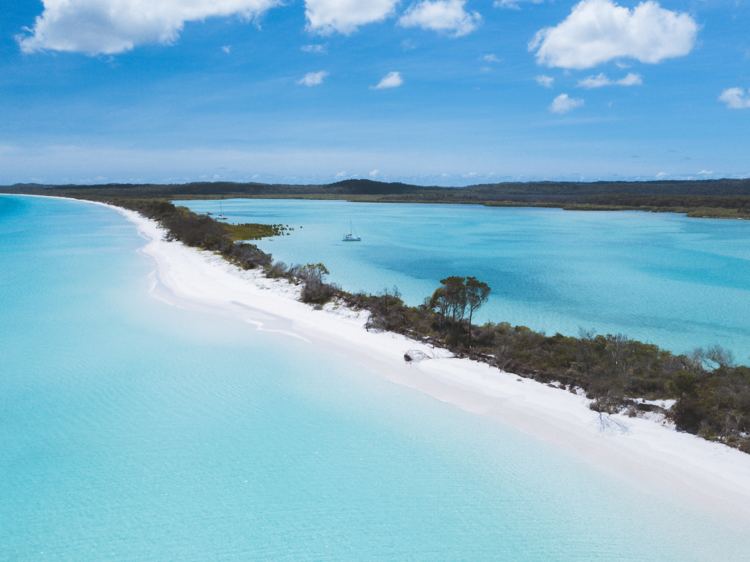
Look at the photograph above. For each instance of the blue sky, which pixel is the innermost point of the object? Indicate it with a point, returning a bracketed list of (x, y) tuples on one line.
[(445, 92)]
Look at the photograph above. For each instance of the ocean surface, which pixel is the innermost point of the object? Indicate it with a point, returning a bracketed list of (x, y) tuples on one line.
[(132, 430), (660, 278)]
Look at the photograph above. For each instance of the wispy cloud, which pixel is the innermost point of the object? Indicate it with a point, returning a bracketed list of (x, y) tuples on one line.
[(227, 49), (545, 81), (408, 45), (490, 58), (513, 4), (313, 78), (601, 80), (315, 49), (563, 103), (390, 80)]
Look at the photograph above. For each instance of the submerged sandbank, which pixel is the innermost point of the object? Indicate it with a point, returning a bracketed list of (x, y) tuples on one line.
[(688, 465)]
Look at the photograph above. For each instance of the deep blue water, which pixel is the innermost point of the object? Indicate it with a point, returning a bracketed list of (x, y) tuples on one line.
[(131, 430), (660, 278)]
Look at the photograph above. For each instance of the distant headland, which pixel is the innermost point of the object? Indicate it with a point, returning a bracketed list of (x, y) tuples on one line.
[(722, 198)]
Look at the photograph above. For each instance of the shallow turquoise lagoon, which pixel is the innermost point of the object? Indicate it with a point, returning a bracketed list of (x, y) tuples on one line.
[(660, 278), (131, 430)]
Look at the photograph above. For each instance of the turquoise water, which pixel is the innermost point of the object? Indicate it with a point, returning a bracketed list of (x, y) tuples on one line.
[(132, 430), (660, 278)]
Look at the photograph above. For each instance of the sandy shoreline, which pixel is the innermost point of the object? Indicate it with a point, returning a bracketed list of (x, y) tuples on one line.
[(687, 465)]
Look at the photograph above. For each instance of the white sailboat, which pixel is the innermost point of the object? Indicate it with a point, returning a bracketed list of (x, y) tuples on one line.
[(352, 236), (221, 216)]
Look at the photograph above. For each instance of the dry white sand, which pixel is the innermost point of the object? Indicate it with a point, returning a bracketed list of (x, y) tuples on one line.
[(648, 448)]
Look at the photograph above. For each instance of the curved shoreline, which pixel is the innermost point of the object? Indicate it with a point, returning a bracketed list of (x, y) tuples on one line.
[(686, 465)]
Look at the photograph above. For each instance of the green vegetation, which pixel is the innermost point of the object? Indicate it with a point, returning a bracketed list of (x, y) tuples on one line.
[(203, 232), (253, 231), (725, 198), (712, 393)]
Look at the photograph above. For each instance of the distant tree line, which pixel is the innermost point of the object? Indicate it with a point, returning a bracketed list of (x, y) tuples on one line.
[(723, 198)]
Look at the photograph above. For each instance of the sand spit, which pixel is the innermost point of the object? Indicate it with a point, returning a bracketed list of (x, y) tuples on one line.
[(648, 448)]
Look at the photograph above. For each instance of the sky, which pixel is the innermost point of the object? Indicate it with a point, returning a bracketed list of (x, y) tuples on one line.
[(431, 92)]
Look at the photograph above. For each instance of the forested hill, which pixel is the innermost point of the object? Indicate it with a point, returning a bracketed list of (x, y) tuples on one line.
[(724, 198), (530, 190)]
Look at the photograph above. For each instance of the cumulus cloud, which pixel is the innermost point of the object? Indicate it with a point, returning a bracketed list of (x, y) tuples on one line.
[(545, 81), (115, 26), (345, 16), (631, 79), (313, 78), (597, 31), (490, 58), (446, 16), (316, 49), (735, 98), (374, 174), (390, 80), (563, 104)]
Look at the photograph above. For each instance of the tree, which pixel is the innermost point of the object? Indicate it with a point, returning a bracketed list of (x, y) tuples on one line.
[(713, 355), (392, 296), (450, 299), (583, 343), (477, 293), (439, 301), (315, 289), (683, 384)]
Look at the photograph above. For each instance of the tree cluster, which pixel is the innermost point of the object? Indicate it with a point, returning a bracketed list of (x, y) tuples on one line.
[(711, 393)]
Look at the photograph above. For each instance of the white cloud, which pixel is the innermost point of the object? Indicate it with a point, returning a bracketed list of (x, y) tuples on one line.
[(631, 79), (595, 82), (545, 81), (705, 173), (316, 49), (227, 49), (490, 58), (408, 45), (446, 16), (116, 26), (661, 175), (563, 104), (735, 98), (374, 174), (390, 80), (513, 4), (313, 78), (345, 16), (597, 31)]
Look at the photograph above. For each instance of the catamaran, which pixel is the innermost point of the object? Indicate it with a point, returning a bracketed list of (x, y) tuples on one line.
[(352, 236)]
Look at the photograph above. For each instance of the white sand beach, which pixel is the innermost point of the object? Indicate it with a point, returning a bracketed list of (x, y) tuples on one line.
[(647, 448)]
